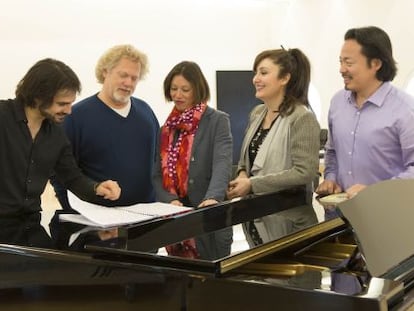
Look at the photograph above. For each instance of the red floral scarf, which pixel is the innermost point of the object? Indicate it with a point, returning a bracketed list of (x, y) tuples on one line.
[(177, 137)]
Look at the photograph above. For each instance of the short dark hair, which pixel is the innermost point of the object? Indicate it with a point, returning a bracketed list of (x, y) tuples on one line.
[(376, 44), (193, 74), (44, 80), (295, 63)]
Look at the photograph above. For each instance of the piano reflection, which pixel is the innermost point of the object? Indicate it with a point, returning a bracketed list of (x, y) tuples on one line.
[(318, 268)]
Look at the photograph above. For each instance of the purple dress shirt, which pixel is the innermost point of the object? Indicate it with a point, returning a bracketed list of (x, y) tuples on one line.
[(373, 143)]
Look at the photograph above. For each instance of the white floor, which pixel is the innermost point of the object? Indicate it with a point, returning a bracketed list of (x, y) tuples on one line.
[(50, 204)]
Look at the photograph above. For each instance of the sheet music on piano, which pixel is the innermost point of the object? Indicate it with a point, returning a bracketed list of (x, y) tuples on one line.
[(102, 216)]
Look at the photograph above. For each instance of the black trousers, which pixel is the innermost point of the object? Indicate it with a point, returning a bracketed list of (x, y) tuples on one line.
[(25, 230)]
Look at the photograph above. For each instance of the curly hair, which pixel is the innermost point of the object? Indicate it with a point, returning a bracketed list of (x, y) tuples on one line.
[(112, 57)]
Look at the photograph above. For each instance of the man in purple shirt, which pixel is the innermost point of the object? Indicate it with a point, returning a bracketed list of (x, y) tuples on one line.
[(371, 122)]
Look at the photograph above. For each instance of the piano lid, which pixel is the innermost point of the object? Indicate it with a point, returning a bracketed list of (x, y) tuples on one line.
[(223, 265), (143, 237), (381, 216), (159, 233)]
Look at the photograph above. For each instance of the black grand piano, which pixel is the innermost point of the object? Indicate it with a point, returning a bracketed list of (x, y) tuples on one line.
[(318, 268)]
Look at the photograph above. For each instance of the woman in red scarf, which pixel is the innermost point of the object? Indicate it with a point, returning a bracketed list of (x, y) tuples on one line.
[(194, 160)]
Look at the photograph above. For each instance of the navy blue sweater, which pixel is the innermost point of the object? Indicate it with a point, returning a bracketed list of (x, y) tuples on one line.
[(109, 146)]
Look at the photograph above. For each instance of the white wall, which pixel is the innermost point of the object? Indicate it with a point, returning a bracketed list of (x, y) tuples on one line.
[(318, 27), (218, 34)]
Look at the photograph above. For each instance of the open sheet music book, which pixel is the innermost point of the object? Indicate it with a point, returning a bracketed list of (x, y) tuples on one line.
[(102, 216)]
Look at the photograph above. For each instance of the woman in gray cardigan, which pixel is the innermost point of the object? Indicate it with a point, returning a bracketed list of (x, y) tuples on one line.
[(194, 158), (281, 144)]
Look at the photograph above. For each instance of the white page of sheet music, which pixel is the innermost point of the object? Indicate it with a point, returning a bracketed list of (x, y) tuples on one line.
[(156, 209), (77, 218), (111, 216)]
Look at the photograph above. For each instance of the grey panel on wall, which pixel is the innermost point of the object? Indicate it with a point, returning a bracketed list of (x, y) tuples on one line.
[(236, 96)]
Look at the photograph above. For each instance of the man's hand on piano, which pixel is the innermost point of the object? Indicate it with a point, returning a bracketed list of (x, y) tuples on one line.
[(328, 187), (354, 189), (108, 189)]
